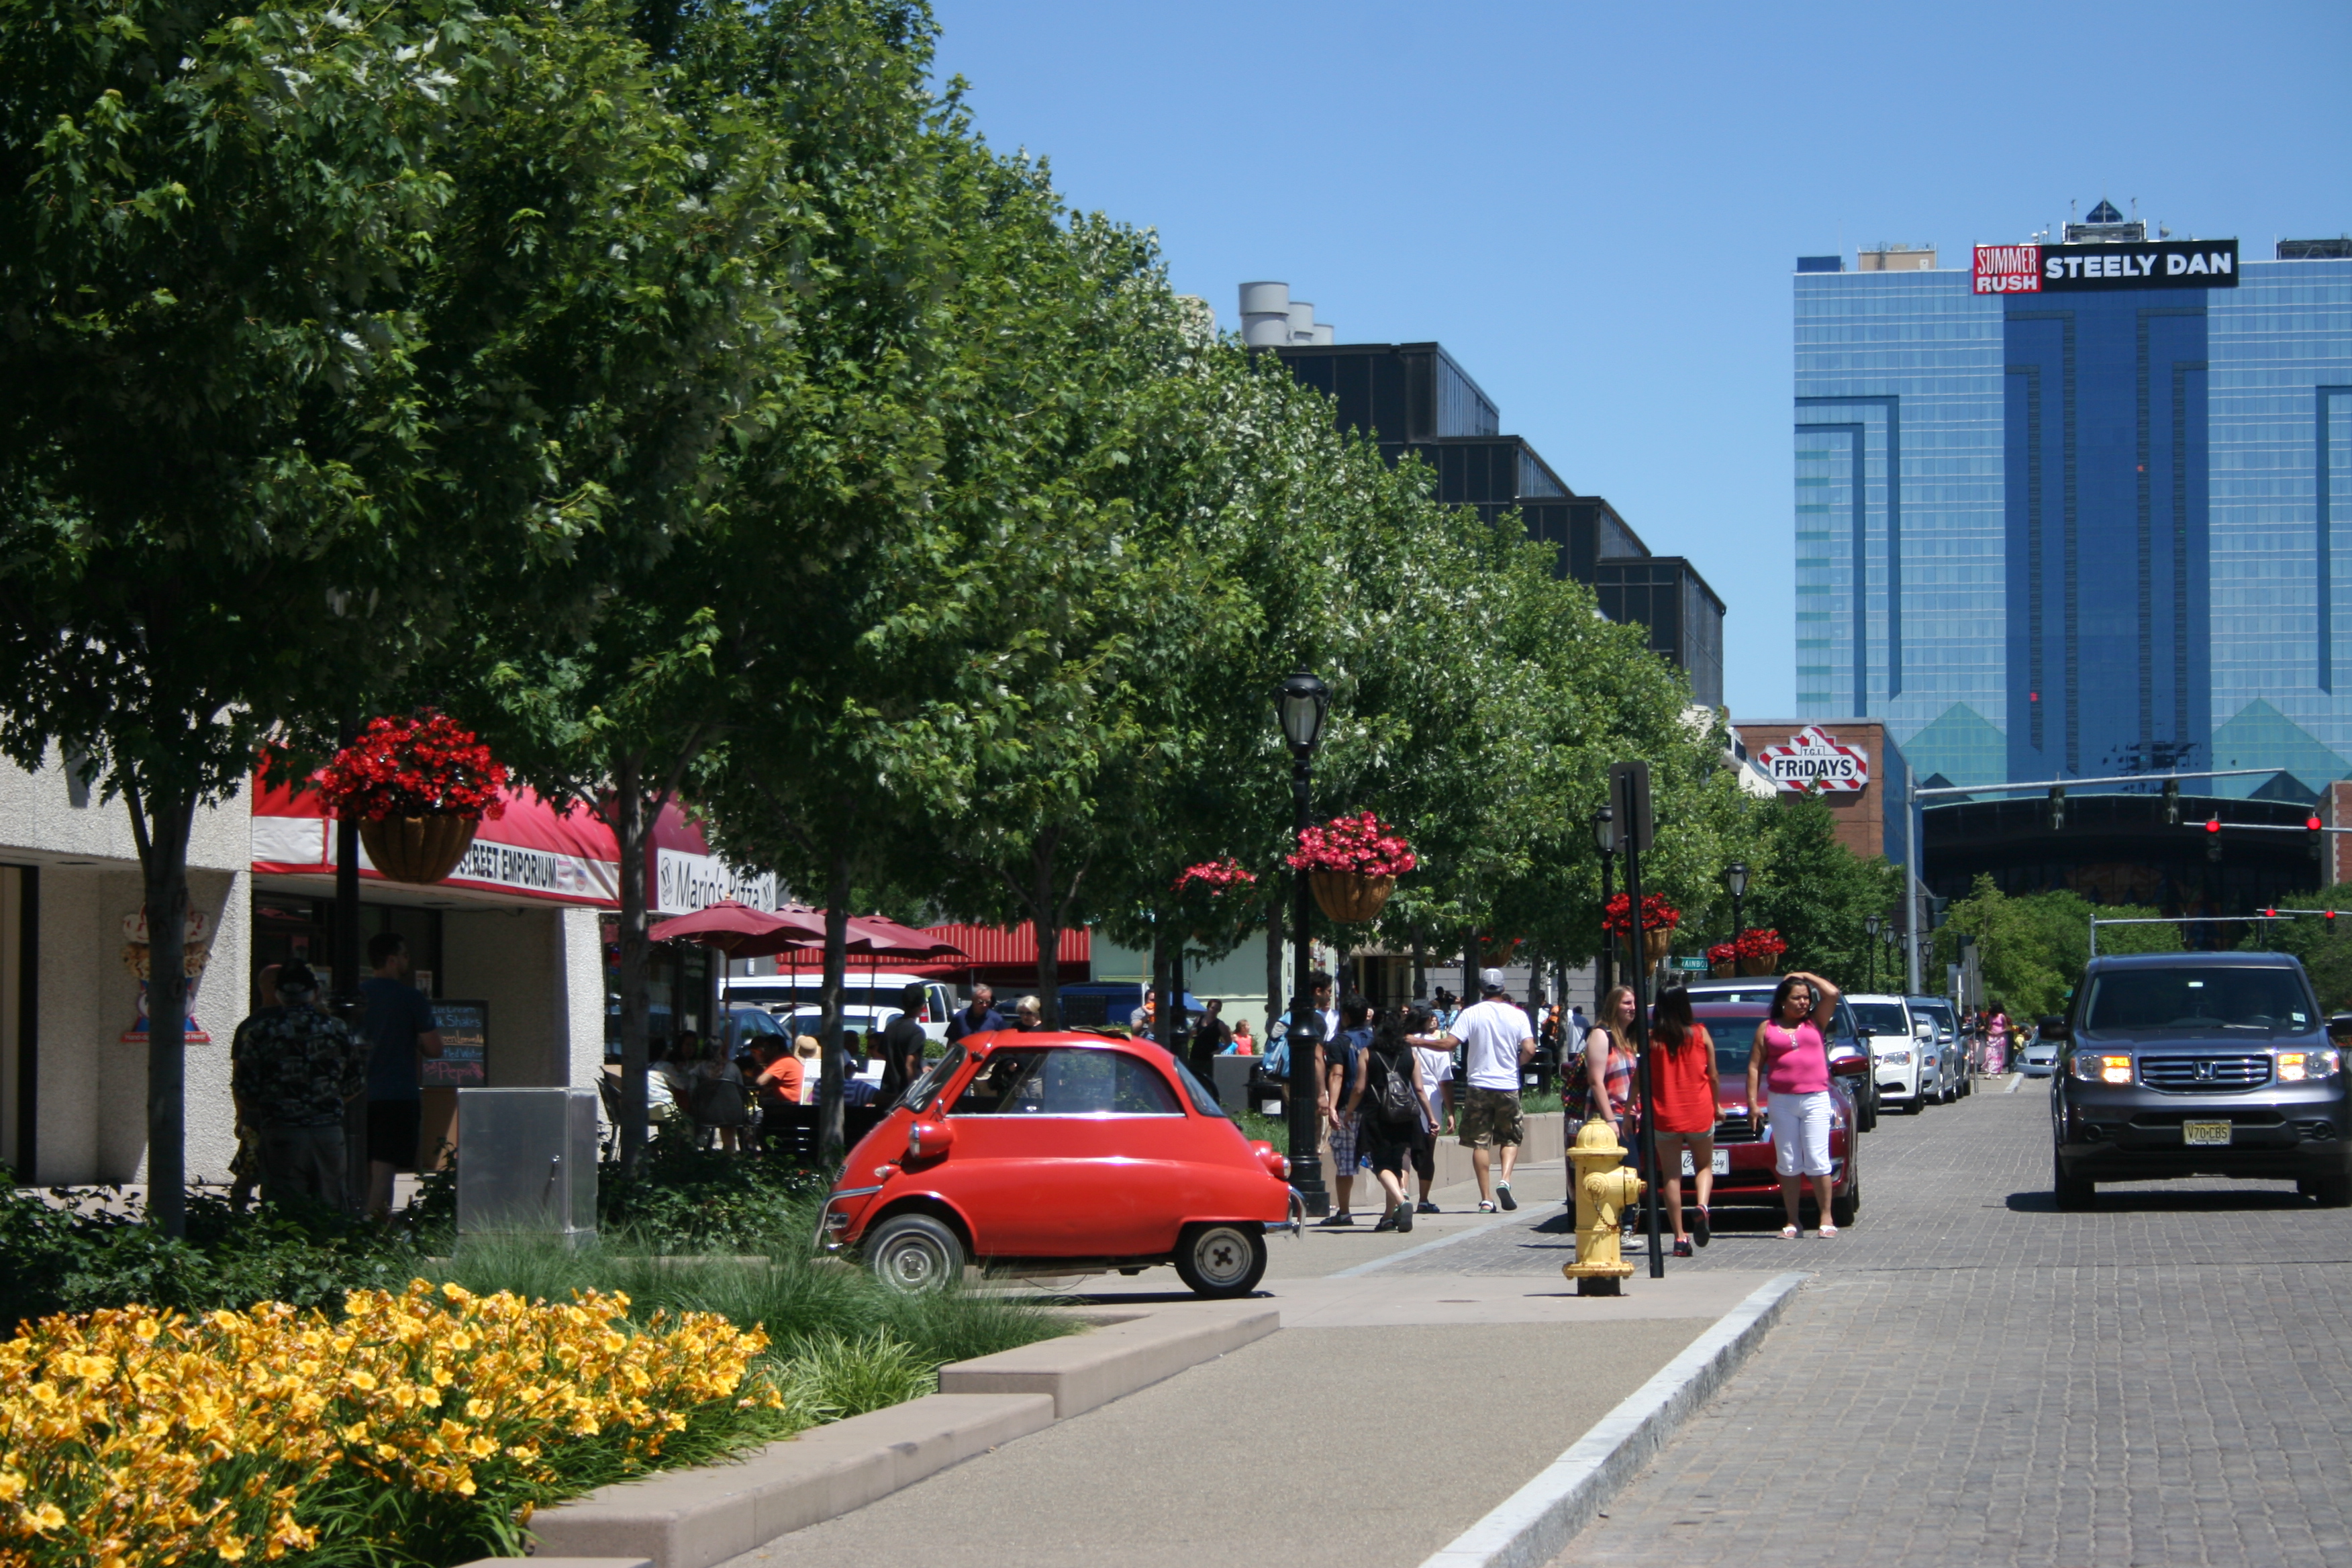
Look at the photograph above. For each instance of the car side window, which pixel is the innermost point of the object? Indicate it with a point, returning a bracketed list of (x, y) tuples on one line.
[(1079, 1082), (1005, 1085)]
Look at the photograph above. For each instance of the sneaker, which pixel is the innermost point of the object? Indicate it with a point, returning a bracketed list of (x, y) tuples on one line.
[(1332, 1221), (1703, 1231), (1503, 1195), (1404, 1216), (1428, 1208), (1683, 1247), (1386, 1222)]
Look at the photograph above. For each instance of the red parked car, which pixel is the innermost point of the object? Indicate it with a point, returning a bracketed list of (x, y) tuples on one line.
[(1744, 1170), (1059, 1154)]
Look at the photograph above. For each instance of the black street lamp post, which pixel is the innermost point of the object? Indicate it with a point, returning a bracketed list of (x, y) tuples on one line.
[(1735, 882), (1604, 838), (1300, 702), (1870, 930)]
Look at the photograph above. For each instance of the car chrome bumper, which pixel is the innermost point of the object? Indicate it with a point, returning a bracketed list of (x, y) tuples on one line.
[(1297, 1220), (821, 1242)]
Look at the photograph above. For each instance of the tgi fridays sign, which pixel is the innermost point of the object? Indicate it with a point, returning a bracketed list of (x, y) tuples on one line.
[(1813, 759), (2079, 269)]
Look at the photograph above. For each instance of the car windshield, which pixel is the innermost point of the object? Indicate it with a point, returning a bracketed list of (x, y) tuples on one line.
[(1881, 1018), (1734, 1038), (2198, 998), (926, 1089), (1203, 1100)]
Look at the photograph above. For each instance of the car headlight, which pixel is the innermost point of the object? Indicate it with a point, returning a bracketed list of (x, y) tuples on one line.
[(1898, 1059), (2301, 1067), (2093, 1066)]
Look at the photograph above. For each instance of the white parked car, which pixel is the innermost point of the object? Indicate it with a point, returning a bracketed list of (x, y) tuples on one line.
[(1897, 1053), (864, 994)]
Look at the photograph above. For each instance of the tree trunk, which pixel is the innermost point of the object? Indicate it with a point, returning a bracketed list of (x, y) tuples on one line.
[(631, 825), (163, 839), (1045, 920), (1272, 968), (831, 1138), (1420, 966), (1469, 967), (1163, 1016)]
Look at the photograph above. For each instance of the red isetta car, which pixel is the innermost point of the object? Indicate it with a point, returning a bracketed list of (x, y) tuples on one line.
[(1059, 1154)]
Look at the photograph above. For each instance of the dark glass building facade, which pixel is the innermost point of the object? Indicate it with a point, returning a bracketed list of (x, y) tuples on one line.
[(1413, 398)]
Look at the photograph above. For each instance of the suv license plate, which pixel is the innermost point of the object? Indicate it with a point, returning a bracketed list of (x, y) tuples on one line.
[(2204, 1132), (1722, 1162)]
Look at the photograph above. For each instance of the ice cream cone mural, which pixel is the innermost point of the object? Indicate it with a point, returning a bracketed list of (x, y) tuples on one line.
[(195, 947)]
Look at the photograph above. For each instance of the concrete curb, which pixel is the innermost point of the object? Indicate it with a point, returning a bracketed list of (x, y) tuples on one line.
[(695, 1518), (1535, 1523)]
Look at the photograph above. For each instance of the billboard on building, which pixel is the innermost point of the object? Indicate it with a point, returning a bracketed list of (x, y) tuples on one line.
[(2081, 268), (1814, 759)]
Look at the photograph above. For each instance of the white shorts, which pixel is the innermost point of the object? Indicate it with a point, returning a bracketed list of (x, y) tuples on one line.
[(1801, 1133)]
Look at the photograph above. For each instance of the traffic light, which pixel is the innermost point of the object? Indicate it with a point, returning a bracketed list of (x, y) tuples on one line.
[(2213, 837), (2057, 808), (2172, 803), (2319, 841), (2327, 923)]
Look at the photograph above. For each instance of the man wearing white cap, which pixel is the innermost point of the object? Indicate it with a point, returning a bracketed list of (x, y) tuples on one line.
[(1496, 1045)]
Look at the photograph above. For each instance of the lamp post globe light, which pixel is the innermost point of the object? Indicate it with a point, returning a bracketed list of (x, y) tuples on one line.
[(1870, 930), (1604, 838), (1300, 703), (1735, 882)]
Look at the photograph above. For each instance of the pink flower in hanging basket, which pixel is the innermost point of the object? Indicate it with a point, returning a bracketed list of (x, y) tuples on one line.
[(1360, 845)]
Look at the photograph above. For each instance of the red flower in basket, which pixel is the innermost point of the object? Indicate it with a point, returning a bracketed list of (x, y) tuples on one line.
[(420, 766), (1722, 953), (1759, 942), (1213, 878), (1361, 846), (1656, 914)]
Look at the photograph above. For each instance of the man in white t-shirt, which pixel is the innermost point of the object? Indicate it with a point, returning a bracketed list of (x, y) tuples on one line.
[(1496, 1045)]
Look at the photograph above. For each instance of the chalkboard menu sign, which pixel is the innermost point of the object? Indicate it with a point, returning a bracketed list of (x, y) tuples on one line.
[(464, 1061)]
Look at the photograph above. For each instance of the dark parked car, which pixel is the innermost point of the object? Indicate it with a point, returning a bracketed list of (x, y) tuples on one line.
[(2198, 1064)]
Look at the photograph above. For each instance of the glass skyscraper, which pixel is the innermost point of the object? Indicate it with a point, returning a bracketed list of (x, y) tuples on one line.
[(2082, 509)]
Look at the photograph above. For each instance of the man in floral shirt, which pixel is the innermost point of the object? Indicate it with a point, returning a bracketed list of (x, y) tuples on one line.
[(293, 1068)]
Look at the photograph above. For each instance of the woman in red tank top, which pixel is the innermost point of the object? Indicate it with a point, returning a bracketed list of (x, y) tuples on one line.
[(1683, 1082)]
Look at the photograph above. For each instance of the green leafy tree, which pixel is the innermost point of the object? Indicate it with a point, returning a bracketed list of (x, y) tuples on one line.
[(2032, 947), (1817, 893), (2324, 945), (279, 293)]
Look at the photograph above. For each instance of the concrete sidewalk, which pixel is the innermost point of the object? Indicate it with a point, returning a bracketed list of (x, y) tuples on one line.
[(1397, 1408)]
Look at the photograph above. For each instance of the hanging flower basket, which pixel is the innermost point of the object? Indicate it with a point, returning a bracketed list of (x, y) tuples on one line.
[(420, 787), (1352, 864), (1759, 950), (1348, 897), (419, 850), (1723, 960), (1655, 945), (1215, 899)]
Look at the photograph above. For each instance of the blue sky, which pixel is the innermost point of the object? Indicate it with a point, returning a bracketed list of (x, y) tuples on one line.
[(1597, 209)]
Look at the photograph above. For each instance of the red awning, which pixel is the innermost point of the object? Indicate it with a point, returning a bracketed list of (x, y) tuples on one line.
[(999, 947)]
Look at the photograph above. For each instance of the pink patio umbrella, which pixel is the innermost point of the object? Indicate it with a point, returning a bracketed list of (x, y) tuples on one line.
[(738, 930)]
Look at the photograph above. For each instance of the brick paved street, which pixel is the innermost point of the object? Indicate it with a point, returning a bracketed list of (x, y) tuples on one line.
[(1975, 1378)]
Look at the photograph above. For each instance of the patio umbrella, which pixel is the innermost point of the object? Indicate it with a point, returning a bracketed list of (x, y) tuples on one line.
[(875, 937), (738, 929)]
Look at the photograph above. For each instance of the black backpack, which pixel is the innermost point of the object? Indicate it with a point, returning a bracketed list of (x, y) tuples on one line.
[(1392, 1097)]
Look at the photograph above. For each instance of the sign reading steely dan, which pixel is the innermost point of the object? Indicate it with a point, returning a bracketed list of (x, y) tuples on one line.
[(2134, 264), (1813, 759)]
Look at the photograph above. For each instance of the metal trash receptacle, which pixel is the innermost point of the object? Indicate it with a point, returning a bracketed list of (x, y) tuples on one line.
[(526, 1162)]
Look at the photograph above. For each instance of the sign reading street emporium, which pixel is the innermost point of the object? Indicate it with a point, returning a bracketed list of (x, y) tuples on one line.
[(2134, 264)]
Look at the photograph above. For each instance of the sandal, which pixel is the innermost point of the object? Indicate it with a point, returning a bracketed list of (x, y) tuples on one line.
[(1827, 1232), (1788, 1232)]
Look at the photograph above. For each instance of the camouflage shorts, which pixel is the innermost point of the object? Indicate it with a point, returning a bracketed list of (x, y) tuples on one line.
[(1491, 1116)]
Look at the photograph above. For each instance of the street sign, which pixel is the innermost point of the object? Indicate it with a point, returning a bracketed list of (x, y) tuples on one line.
[(1695, 965), (1628, 791)]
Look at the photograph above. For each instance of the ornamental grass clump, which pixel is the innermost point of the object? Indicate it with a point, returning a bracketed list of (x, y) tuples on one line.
[(419, 1426)]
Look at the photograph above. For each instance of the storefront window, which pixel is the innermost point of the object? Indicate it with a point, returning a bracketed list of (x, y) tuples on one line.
[(287, 927), (677, 990)]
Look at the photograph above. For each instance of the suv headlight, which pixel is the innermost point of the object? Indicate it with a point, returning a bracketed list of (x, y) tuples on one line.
[(2094, 1067), (2301, 1067)]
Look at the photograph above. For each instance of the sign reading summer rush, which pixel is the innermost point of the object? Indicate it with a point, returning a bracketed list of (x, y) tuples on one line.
[(1814, 759), (2132, 263)]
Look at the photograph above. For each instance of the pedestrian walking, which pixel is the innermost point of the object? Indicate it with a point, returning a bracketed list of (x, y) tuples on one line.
[(1997, 1040), (1683, 1094), (1791, 1059), (978, 1018), (1609, 1065), (403, 1034), (903, 1042), (1496, 1045), (1395, 1120), (293, 1070), (1343, 1093), (1434, 1059), (1209, 1037)]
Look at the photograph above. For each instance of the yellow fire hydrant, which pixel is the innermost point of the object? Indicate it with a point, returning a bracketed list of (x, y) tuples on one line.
[(1605, 1188)]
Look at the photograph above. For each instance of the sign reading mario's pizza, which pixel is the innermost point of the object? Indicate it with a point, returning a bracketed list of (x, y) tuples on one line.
[(1813, 759)]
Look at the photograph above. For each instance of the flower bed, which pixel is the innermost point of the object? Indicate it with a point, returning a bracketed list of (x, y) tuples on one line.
[(418, 1425)]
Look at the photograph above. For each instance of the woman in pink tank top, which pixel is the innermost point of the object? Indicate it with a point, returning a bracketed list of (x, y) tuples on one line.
[(1790, 1061)]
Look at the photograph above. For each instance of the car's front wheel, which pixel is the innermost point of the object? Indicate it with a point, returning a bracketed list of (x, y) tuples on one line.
[(1222, 1260), (914, 1255), (2332, 1192), (2073, 1193)]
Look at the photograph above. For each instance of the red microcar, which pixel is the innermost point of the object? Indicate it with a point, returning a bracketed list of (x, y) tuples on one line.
[(1059, 1154)]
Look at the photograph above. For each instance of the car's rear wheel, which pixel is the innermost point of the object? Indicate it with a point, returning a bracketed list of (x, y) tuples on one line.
[(1222, 1260), (2073, 1193), (914, 1255), (2330, 1192), (1843, 1207)]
